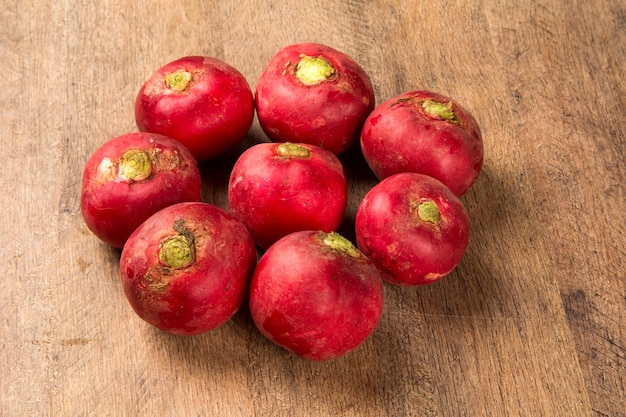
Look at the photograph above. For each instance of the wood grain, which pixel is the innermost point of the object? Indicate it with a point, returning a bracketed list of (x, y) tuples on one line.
[(532, 321)]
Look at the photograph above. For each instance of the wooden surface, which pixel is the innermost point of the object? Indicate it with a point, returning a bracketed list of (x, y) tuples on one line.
[(531, 323)]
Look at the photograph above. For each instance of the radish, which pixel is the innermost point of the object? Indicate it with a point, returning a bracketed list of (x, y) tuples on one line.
[(186, 270), (427, 133), (131, 177), (312, 93), (316, 295), (200, 101), (413, 228), (276, 189)]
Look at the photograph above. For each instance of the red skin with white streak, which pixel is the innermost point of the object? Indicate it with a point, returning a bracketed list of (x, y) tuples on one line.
[(211, 115), (113, 207), (275, 195), (329, 114), (407, 250), (315, 301), (399, 136), (202, 295)]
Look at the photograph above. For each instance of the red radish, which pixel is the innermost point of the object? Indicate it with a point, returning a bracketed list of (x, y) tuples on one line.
[(312, 93), (276, 189), (186, 270), (131, 177), (427, 133), (413, 228), (316, 294), (201, 101)]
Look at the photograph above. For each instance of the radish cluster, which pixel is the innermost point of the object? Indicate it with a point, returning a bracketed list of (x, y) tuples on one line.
[(188, 266)]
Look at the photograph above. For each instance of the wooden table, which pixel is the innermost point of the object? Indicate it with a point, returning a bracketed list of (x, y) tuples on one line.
[(531, 323)]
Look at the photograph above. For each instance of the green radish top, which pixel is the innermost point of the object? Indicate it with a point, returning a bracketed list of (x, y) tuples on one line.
[(292, 150), (442, 111), (178, 80), (134, 165), (313, 70), (427, 211), (335, 241), (178, 251)]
